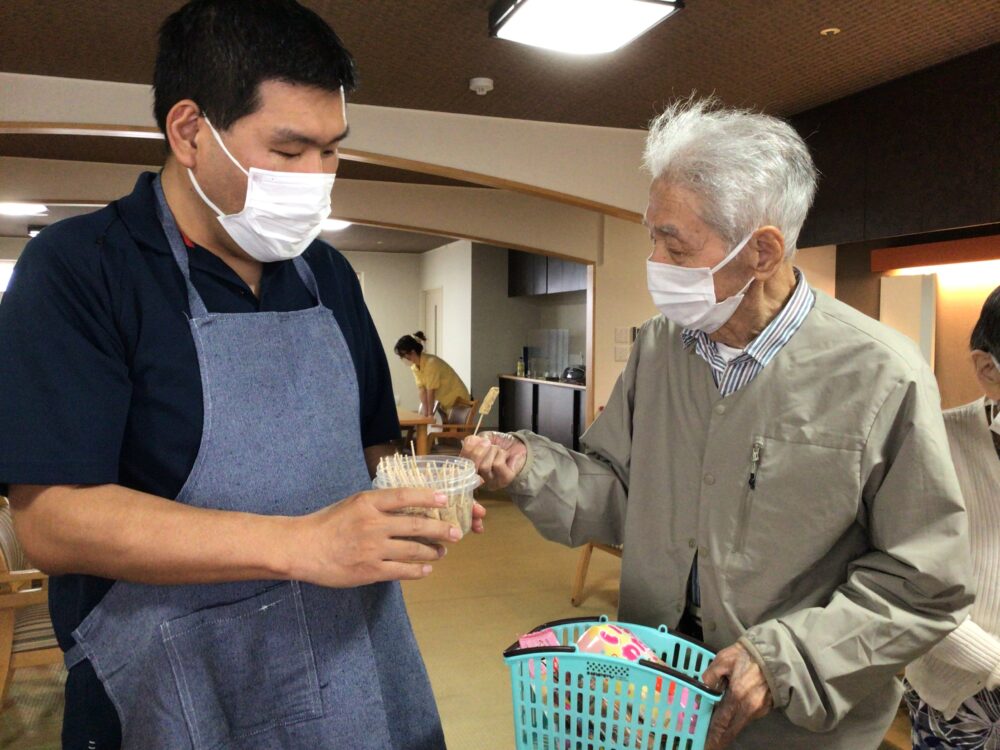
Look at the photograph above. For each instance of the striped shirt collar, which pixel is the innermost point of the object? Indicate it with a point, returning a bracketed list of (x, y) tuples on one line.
[(732, 376)]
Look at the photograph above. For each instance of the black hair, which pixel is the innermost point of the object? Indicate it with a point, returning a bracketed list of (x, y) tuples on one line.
[(986, 334), (411, 344), (218, 52)]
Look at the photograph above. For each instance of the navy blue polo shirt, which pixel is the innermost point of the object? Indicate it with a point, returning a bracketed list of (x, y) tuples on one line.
[(99, 381)]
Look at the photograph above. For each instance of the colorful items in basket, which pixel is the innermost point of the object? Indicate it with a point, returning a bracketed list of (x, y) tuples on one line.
[(606, 639), (616, 641)]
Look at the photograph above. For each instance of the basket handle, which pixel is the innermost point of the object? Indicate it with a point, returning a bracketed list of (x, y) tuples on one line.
[(674, 674), (569, 621), (515, 650)]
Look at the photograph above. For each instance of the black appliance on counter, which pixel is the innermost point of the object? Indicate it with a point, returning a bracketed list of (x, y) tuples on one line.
[(576, 374)]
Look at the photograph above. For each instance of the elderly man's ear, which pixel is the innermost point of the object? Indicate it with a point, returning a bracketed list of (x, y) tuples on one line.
[(770, 245)]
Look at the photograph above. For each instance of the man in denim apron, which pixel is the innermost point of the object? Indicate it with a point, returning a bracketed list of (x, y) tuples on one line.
[(195, 399)]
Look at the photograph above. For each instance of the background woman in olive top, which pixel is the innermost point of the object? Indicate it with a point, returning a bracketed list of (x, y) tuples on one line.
[(436, 381)]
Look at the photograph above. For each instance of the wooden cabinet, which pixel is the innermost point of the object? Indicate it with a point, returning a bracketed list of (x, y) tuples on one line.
[(914, 155), (549, 409), (517, 405), (530, 274), (527, 274)]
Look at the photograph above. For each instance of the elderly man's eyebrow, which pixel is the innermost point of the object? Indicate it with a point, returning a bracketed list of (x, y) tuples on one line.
[(668, 229), (288, 135)]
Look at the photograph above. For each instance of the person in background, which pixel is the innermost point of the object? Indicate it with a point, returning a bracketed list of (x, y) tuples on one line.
[(953, 691), (774, 462), (436, 381)]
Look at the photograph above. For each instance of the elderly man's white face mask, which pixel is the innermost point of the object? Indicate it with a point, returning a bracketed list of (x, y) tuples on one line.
[(687, 295)]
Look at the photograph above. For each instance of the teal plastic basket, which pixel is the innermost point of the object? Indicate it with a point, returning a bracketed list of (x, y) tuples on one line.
[(566, 699)]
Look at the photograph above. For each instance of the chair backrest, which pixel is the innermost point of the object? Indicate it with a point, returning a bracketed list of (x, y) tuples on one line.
[(11, 552), (462, 412)]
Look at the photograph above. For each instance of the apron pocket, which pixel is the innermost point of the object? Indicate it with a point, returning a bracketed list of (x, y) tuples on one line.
[(244, 668)]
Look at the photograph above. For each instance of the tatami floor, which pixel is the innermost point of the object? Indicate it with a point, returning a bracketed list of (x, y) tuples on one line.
[(486, 592)]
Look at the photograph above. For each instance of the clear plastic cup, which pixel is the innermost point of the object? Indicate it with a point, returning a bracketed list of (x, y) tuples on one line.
[(452, 475)]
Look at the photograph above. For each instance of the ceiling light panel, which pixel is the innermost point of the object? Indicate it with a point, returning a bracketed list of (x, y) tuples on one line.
[(579, 27)]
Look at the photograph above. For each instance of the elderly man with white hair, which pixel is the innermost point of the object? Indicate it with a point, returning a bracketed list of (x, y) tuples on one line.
[(774, 462)]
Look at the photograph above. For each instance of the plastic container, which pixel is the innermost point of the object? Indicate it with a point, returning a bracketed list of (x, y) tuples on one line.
[(453, 475), (566, 699)]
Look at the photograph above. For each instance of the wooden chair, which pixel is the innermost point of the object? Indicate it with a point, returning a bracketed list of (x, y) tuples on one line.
[(458, 424), (26, 635), (583, 564)]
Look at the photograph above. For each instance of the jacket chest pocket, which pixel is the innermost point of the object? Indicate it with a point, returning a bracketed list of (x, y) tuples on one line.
[(244, 668), (797, 500)]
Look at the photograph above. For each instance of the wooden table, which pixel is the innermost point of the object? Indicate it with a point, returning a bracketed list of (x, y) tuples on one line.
[(419, 424)]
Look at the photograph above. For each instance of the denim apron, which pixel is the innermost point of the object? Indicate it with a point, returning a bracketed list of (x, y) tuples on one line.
[(264, 664)]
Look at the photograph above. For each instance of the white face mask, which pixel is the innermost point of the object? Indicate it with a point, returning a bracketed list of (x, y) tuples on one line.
[(687, 295), (282, 213)]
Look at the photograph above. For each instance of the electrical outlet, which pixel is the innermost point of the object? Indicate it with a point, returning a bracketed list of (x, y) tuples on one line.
[(622, 335), (621, 352)]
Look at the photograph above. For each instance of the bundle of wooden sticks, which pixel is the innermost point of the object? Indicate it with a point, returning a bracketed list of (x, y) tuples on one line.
[(406, 471)]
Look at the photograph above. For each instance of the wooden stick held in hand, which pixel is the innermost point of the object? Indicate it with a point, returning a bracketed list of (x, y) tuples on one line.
[(487, 407)]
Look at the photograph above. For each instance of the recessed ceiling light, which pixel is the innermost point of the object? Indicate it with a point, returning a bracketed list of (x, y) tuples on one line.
[(23, 209), (334, 225), (581, 27), (832, 31)]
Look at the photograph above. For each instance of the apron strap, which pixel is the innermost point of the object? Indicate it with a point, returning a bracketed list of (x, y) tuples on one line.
[(74, 656), (308, 278), (178, 248)]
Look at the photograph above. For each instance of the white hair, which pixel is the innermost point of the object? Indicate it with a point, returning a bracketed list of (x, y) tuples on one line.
[(749, 169)]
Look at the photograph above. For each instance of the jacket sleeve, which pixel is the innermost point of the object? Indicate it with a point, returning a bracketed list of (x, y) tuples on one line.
[(571, 497), (912, 587)]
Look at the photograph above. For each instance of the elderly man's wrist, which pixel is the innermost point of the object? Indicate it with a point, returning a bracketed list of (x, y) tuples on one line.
[(747, 643)]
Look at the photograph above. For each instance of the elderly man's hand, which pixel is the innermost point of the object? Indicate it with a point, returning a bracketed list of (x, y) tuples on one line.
[(747, 698), (497, 466)]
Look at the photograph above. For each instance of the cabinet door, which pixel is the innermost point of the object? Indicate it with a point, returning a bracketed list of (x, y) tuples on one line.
[(575, 277), (517, 405), (519, 274), (556, 413), (539, 273), (556, 276)]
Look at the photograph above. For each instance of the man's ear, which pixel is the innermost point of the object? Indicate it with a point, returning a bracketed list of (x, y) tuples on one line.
[(182, 132), (770, 245)]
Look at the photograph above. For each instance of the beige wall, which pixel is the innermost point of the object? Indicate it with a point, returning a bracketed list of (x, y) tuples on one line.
[(392, 293), (620, 298), (819, 264), (11, 247), (532, 155)]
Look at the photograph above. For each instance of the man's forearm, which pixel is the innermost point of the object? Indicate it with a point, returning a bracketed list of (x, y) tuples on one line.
[(118, 533)]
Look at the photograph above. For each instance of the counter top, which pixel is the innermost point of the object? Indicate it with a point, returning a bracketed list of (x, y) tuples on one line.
[(543, 381)]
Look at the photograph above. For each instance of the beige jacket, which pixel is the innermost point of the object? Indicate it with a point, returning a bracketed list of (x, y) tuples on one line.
[(847, 559)]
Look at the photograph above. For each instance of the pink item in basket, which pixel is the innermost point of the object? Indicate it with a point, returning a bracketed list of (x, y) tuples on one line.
[(539, 639), (611, 640)]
